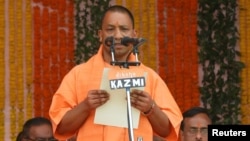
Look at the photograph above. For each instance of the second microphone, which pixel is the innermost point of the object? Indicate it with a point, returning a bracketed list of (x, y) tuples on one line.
[(125, 41)]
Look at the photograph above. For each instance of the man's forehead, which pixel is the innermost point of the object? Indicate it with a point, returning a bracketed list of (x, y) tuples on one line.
[(117, 18), (199, 116), (198, 120), (41, 131)]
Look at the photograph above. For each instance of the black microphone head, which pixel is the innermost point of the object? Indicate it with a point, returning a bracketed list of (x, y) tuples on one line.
[(127, 40), (109, 41), (135, 41)]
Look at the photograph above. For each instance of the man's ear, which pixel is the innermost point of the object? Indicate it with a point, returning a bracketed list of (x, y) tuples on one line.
[(135, 33), (181, 135)]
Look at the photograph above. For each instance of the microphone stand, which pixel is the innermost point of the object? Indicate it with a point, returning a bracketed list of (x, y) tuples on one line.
[(129, 115), (126, 64)]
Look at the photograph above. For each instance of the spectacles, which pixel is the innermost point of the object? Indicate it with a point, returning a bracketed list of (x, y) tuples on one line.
[(42, 139), (194, 131)]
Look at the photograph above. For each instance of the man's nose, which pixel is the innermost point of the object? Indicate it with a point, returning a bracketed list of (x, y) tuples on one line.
[(198, 136), (118, 34)]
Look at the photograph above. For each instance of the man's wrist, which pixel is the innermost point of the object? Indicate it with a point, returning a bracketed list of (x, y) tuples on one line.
[(150, 111)]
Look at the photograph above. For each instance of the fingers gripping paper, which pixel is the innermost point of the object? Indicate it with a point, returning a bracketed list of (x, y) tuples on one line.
[(114, 111)]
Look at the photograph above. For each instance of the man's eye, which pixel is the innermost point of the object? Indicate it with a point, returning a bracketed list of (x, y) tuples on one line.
[(193, 130), (204, 131), (124, 29)]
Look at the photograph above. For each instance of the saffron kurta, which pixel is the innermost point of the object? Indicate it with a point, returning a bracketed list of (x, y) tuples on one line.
[(87, 76)]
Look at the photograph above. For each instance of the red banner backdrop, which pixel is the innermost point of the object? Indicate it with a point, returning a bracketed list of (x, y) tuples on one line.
[(178, 51), (53, 49)]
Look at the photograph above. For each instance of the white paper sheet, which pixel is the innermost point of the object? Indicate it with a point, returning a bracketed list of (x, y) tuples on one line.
[(114, 112)]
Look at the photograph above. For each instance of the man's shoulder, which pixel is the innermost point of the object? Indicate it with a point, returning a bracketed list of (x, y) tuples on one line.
[(89, 65), (148, 69), (82, 66)]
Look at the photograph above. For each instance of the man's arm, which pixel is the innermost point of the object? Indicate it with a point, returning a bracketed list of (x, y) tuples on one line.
[(159, 121), (76, 117)]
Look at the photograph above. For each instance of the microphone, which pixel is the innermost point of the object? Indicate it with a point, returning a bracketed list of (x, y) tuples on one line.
[(125, 41), (109, 41), (135, 41)]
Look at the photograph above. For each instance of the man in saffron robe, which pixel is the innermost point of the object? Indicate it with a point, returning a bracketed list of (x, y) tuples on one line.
[(76, 101)]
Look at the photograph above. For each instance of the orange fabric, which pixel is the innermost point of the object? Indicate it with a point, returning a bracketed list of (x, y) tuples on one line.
[(87, 76)]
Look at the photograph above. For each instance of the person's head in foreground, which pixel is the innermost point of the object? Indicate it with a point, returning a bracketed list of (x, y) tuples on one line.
[(194, 126), (36, 129)]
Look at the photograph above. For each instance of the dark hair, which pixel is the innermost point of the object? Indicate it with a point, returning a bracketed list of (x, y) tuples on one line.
[(36, 121), (192, 112), (19, 136), (121, 9)]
